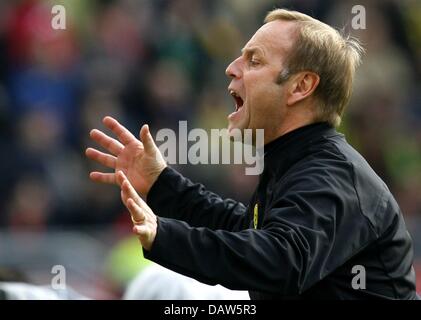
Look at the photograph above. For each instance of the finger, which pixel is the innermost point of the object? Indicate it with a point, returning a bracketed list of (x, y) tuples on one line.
[(140, 230), (125, 193), (112, 145), (124, 135), (130, 192), (146, 138), (101, 157), (135, 211), (102, 177), (124, 198), (128, 189), (120, 177)]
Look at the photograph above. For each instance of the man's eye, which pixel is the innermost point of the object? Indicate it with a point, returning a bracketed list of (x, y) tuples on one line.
[(254, 63)]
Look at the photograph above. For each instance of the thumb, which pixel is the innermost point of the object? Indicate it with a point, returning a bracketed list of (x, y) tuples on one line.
[(146, 138)]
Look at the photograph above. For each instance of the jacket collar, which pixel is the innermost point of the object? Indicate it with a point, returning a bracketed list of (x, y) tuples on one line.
[(287, 149)]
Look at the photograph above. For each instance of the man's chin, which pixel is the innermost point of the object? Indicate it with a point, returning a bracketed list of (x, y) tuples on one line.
[(236, 132), (245, 135)]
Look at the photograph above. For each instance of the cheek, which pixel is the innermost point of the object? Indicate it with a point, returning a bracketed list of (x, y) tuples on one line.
[(265, 96), (261, 84), (266, 105), (256, 91)]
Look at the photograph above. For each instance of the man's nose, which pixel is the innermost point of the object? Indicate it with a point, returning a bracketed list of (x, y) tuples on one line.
[(234, 70)]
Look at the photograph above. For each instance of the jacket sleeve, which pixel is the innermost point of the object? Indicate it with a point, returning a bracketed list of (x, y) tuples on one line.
[(306, 233), (174, 196)]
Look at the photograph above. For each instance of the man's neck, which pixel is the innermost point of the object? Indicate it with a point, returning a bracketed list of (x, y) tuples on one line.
[(286, 127)]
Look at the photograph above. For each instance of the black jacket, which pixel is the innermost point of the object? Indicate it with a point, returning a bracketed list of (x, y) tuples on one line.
[(320, 211)]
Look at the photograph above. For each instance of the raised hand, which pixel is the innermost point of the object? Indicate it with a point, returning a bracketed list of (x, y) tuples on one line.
[(144, 220), (140, 161)]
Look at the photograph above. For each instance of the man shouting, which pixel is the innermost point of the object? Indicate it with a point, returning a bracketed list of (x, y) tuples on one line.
[(319, 210)]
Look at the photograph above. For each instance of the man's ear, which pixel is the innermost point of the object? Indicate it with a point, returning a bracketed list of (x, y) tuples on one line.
[(301, 86)]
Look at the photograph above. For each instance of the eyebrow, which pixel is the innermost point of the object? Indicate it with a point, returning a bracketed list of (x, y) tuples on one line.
[(251, 51)]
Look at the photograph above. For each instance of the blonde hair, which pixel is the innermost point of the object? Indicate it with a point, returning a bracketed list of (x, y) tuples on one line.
[(321, 49)]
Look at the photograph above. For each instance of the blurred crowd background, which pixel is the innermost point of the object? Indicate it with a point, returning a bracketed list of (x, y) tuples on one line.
[(159, 62)]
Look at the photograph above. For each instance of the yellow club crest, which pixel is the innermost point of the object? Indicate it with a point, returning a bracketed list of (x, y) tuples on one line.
[(256, 216)]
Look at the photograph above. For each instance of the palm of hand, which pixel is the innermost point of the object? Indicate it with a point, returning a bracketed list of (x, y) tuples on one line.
[(140, 161)]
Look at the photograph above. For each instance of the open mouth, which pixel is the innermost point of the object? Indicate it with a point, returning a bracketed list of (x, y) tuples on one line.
[(238, 100)]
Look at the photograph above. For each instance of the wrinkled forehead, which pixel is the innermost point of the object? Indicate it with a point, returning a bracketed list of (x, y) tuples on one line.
[(275, 38)]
